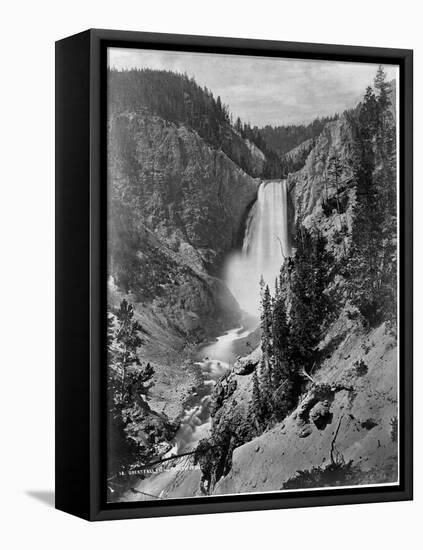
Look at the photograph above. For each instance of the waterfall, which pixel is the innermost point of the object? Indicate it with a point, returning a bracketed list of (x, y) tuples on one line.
[(266, 244)]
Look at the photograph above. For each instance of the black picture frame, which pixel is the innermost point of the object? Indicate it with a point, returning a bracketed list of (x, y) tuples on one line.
[(81, 269)]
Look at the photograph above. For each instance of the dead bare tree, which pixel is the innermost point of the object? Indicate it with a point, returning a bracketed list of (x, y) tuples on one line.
[(306, 375), (280, 243), (335, 456)]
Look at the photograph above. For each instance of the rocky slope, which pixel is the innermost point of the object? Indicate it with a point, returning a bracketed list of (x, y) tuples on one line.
[(349, 409)]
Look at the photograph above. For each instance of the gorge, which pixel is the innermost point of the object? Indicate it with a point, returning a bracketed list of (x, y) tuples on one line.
[(262, 332)]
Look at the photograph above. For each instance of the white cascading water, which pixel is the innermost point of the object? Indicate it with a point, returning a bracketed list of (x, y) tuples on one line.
[(216, 359), (266, 244)]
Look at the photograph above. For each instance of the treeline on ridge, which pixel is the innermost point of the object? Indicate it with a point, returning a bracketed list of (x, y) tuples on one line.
[(178, 98), (172, 96), (282, 139)]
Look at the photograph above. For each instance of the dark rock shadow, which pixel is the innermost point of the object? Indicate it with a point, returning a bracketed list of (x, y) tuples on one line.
[(322, 421), (46, 497)]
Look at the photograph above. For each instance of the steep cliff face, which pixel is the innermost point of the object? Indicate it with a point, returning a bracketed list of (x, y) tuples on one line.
[(176, 206), (318, 199), (296, 157), (192, 196), (243, 152)]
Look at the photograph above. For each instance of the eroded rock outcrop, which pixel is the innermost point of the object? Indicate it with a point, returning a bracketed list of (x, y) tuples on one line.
[(360, 410), (317, 199), (191, 195), (176, 207)]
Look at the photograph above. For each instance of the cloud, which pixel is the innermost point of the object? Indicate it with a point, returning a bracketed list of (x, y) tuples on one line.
[(265, 90)]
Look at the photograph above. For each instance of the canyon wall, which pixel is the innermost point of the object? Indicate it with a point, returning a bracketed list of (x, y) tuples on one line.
[(176, 207)]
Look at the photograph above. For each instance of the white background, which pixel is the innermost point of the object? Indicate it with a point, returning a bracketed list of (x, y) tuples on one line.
[(27, 36)]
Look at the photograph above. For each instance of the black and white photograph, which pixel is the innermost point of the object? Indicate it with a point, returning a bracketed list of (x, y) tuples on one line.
[(252, 275), (210, 241)]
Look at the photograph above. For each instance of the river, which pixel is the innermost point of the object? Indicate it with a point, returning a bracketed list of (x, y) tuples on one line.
[(214, 359)]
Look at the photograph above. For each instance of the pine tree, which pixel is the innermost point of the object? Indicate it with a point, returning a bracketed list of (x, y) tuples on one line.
[(266, 364), (283, 398), (385, 179), (238, 125), (383, 88), (335, 170), (371, 266), (311, 308), (266, 323), (280, 333), (110, 334), (128, 383), (256, 404), (127, 342), (276, 287)]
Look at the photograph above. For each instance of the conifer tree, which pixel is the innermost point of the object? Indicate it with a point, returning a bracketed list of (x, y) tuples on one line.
[(383, 88), (310, 305), (385, 179), (266, 364), (266, 323), (238, 125), (280, 333), (371, 267), (256, 404), (126, 360), (335, 170)]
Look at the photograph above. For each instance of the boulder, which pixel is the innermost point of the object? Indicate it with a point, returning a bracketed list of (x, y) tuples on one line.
[(246, 365)]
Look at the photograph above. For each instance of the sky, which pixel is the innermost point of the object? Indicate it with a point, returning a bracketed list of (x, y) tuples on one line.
[(263, 90)]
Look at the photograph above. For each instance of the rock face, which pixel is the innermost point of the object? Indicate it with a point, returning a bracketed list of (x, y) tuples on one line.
[(243, 152), (192, 196), (246, 365), (314, 193), (176, 207), (296, 157)]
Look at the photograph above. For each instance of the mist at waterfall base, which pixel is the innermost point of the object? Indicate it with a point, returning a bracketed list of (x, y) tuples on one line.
[(265, 245)]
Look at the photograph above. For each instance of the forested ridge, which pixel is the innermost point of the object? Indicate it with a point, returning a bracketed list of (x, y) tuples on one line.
[(282, 139), (178, 98), (172, 96)]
